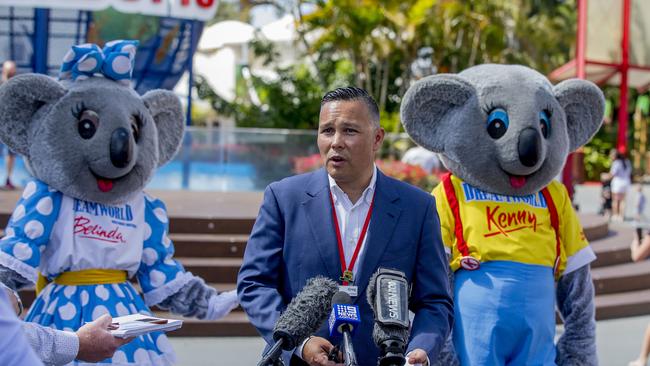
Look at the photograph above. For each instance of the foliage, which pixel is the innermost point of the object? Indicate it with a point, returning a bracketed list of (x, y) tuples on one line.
[(109, 24), (596, 158), (384, 45)]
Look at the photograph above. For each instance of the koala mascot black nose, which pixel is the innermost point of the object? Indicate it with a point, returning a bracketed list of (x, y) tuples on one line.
[(529, 144), (121, 149)]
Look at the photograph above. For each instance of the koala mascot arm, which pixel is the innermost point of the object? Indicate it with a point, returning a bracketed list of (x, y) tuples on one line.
[(575, 294), (186, 294)]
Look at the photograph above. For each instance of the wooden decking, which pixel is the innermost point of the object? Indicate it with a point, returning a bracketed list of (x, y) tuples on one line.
[(210, 231)]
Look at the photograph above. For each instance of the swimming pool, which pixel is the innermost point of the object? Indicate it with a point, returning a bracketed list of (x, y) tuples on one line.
[(234, 159)]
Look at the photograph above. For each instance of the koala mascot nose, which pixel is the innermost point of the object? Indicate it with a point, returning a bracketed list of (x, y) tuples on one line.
[(529, 144), (121, 149)]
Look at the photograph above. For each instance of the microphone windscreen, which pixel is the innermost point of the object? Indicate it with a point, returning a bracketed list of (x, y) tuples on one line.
[(341, 297), (306, 312), (371, 292), (387, 295)]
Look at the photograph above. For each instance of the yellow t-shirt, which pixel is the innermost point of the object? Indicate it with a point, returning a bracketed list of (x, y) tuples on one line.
[(513, 228)]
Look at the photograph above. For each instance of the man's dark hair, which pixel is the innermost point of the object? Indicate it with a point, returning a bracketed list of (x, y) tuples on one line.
[(353, 93)]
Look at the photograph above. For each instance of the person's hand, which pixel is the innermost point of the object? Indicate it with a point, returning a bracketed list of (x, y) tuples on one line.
[(417, 357), (96, 342), (316, 350)]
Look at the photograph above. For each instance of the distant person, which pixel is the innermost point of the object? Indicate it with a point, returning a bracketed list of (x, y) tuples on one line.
[(640, 250), (424, 158), (606, 195), (621, 174), (8, 71)]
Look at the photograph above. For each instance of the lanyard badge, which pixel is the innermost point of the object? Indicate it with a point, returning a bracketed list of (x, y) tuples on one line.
[(347, 275)]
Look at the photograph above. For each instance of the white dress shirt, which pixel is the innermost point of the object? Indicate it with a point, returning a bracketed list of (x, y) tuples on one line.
[(14, 349), (53, 347), (351, 217)]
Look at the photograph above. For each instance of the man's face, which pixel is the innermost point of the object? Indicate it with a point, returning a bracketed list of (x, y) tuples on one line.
[(347, 139)]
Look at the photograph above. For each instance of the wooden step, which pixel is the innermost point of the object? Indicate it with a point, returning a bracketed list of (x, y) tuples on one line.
[(595, 226), (621, 277), (27, 296), (193, 225), (206, 245), (213, 269), (235, 324), (613, 249), (621, 305)]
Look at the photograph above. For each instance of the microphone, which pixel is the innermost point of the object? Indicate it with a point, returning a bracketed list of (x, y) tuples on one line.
[(303, 316), (343, 322), (388, 298)]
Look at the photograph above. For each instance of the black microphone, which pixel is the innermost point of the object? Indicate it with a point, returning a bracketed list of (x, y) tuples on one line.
[(304, 315), (343, 321), (388, 298)]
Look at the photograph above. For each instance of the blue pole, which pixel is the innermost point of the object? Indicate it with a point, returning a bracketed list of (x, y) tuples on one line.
[(190, 82), (41, 36)]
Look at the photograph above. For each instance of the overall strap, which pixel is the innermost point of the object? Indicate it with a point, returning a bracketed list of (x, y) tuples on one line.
[(455, 209), (555, 223)]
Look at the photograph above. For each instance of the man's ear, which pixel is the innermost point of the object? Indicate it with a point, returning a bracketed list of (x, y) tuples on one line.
[(20, 98), (584, 105), (170, 122), (429, 105)]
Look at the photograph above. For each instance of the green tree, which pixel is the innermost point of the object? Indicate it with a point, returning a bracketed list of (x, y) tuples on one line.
[(374, 43)]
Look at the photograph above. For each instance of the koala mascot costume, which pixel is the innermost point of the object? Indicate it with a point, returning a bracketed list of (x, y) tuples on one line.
[(515, 243), (84, 223)]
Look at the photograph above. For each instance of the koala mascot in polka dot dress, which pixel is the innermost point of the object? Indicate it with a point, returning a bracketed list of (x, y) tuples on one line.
[(515, 244), (83, 223)]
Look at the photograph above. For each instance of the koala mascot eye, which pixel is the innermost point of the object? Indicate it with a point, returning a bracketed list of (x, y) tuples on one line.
[(545, 123), (497, 123), (88, 122)]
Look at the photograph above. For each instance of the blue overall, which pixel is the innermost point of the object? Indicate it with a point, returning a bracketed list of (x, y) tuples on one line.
[(509, 321)]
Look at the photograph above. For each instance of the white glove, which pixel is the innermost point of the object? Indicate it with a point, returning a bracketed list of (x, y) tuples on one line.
[(222, 304)]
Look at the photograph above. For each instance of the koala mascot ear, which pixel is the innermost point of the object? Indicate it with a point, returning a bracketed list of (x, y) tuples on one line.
[(20, 98), (584, 105), (431, 104), (168, 114)]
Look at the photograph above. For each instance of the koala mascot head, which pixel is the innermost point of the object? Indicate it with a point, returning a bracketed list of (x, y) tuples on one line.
[(502, 128), (90, 135)]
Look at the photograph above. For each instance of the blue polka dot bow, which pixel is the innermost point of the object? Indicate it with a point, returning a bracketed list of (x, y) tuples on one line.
[(115, 61)]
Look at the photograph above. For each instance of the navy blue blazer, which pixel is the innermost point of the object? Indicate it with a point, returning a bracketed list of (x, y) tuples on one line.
[(293, 240)]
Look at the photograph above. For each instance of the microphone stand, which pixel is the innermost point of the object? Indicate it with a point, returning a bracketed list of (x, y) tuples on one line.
[(272, 357), (349, 357), (392, 353)]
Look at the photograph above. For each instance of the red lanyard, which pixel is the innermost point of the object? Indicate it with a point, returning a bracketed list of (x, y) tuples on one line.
[(347, 270)]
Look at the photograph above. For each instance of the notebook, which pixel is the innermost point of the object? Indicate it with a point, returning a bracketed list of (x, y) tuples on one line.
[(138, 324)]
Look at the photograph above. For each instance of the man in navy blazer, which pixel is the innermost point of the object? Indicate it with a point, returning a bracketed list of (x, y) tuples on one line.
[(294, 237)]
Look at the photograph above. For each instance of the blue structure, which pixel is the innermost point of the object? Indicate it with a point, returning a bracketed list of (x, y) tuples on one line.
[(37, 40)]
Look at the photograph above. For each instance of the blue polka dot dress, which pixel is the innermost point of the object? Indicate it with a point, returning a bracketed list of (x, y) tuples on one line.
[(52, 233)]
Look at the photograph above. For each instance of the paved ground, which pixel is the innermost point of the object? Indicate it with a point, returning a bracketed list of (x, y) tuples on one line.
[(618, 342)]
